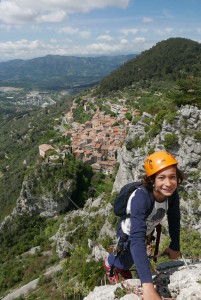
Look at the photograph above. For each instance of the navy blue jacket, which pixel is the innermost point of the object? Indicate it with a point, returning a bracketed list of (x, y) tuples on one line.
[(140, 208)]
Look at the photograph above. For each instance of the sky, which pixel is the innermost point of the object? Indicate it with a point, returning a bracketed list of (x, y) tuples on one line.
[(36, 28)]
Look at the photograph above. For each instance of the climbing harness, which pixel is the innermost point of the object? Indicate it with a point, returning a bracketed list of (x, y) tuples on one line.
[(161, 279)]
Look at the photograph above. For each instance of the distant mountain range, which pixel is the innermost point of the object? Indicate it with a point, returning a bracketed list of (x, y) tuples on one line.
[(168, 61), (59, 72)]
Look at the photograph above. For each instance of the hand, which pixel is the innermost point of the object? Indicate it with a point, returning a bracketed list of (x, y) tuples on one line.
[(149, 292), (171, 253)]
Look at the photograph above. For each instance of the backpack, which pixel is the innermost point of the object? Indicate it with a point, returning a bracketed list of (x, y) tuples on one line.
[(120, 202), (120, 205)]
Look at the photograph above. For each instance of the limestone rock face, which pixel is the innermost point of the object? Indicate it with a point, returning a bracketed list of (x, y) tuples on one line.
[(45, 205), (85, 217), (103, 293), (176, 282), (186, 124)]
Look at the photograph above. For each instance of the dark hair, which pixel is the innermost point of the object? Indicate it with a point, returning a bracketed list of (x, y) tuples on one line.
[(149, 181)]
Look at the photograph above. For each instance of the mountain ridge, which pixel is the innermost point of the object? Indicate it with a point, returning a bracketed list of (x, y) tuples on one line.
[(55, 70), (171, 59)]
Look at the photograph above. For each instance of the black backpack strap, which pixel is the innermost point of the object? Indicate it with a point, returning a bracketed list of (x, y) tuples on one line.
[(120, 202), (151, 197), (131, 188)]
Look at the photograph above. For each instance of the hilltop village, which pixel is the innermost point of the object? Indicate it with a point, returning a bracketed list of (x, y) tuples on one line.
[(96, 141)]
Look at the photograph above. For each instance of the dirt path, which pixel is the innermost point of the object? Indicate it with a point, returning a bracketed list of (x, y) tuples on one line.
[(30, 286)]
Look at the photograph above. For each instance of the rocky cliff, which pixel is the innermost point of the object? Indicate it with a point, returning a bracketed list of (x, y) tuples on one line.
[(178, 281), (47, 204), (184, 129), (174, 282)]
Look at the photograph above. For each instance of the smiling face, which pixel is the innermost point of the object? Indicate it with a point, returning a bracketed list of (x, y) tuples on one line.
[(165, 183)]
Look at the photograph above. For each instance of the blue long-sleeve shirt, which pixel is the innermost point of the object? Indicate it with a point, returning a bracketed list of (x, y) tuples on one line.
[(140, 208)]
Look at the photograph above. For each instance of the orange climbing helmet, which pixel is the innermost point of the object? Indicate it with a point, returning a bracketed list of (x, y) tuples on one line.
[(158, 161)]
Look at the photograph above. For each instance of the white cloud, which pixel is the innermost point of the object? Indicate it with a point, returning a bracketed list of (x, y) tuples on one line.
[(105, 37), (85, 34), (163, 32), (124, 42), (12, 13), (102, 48), (53, 41), (51, 17), (199, 30), (69, 30), (129, 31), (29, 11), (67, 40), (147, 20), (19, 48), (168, 30), (28, 49), (139, 40)]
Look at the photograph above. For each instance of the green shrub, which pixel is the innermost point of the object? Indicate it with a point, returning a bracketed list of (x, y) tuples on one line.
[(184, 195), (95, 226), (198, 135), (171, 117), (195, 175), (43, 280), (151, 149), (129, 116), (119, 293), (190, 242), (80, 269), (22, 297), (195, 201), (157, 125), (146, 120), (136, 142), (155, 130), (106, 242), (146, 128), (171, 140), (135, 120)]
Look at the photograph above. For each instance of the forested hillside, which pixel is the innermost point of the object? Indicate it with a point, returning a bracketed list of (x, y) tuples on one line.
[(168, 61), (20, 136)]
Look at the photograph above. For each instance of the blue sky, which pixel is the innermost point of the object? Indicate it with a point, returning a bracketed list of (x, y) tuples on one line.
[(35, 28)]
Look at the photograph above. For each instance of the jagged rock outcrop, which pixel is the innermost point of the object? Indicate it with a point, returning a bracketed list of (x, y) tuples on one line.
[(186, 125), (84, 217), (45, 204), (175, 281)]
